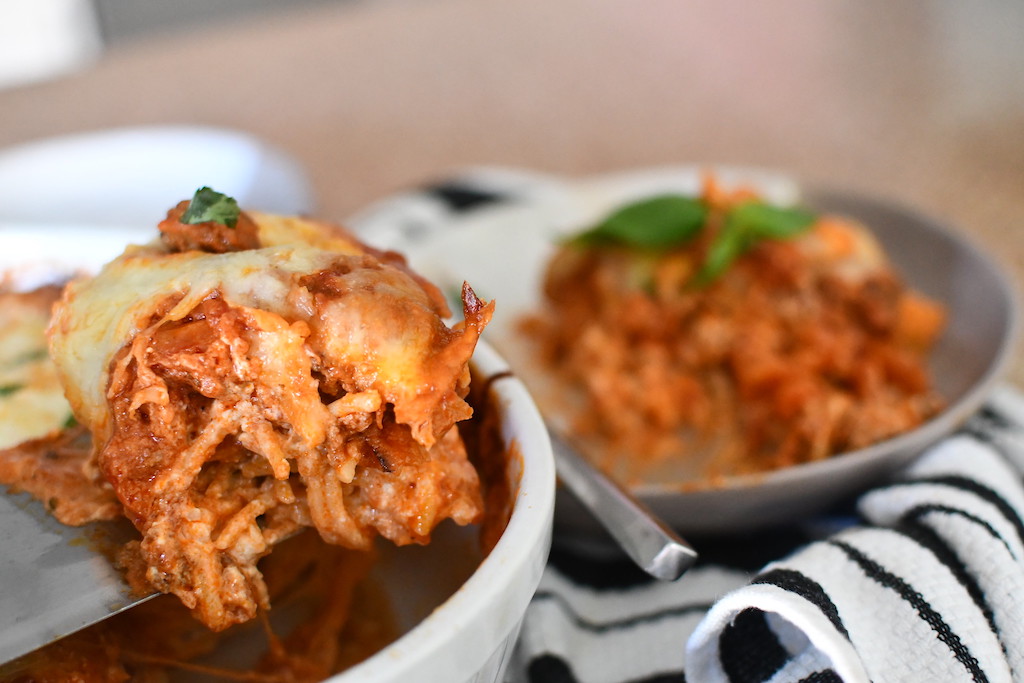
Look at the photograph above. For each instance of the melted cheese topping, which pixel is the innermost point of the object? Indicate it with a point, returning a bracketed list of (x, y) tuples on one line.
[(107, 311), (102, 314)]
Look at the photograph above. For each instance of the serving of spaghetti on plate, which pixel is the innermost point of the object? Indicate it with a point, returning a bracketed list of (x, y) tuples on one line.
[(942, 296)]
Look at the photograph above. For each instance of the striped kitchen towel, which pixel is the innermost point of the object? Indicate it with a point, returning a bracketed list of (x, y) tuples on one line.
[(927, 584)]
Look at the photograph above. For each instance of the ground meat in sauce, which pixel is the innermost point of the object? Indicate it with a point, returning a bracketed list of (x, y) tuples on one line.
[(211, 236)]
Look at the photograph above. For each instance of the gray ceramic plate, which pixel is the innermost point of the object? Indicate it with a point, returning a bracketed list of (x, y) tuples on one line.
[(501, 249)]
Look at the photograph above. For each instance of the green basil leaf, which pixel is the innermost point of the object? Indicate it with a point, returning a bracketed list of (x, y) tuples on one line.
[(731, 241), (659, 222), (8, 389), (744, 225), (70, 421), (210, 206), (765, 221)]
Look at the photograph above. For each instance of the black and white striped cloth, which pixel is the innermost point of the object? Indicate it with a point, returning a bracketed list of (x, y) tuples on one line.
[(925, 584), (921, 579)]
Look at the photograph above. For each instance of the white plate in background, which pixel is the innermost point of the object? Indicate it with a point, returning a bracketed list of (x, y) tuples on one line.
[(125, 177)]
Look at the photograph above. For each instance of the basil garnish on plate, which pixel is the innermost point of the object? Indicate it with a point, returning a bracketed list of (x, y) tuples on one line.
[(210, 206), (660, 222), (727, 246), (765, 221), (744, 225), (668, 221)]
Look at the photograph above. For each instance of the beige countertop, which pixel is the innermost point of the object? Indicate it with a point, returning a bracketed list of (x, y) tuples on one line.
[(921, 102)]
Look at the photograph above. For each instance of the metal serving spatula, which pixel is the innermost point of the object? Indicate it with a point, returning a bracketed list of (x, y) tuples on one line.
[(54, 579), (57, 579), (650, 543)]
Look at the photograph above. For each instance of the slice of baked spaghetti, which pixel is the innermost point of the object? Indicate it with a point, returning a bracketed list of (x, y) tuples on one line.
[(248, 375)]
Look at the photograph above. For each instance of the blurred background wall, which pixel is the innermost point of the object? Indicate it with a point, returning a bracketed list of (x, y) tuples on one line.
[(41, 39)]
